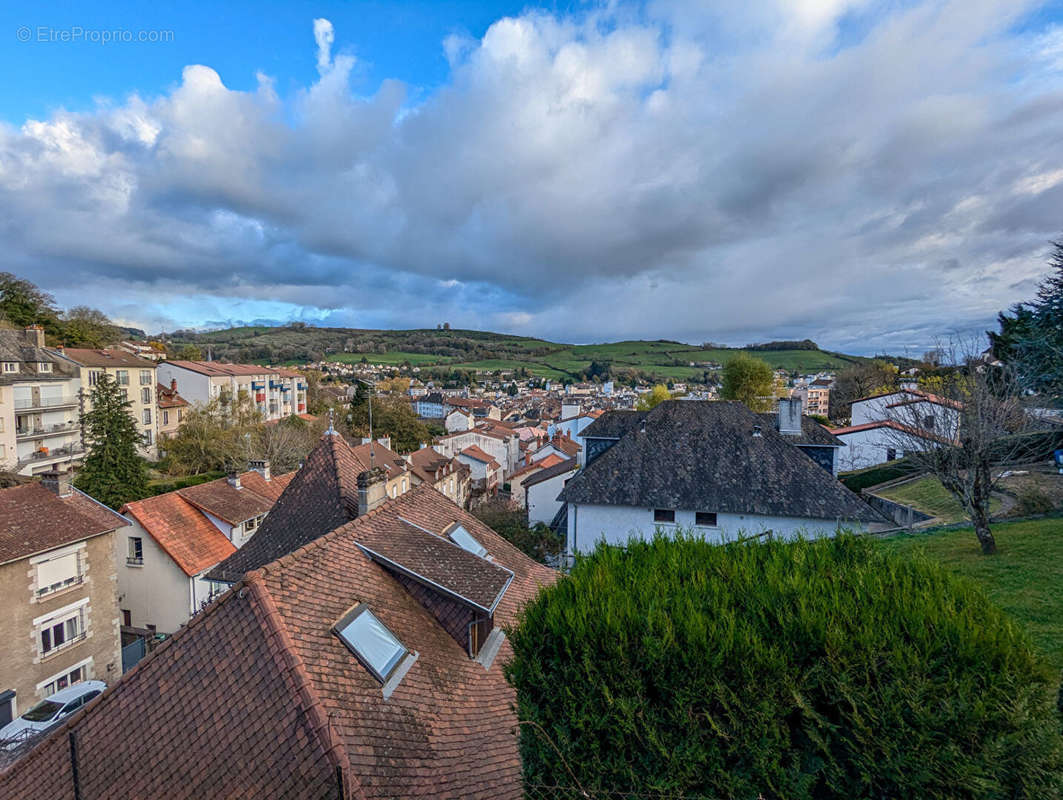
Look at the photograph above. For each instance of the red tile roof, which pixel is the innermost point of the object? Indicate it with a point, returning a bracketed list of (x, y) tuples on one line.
[(219, 368), (226, 502), (188, 537), (34, 519), (550, 460), (472, 451), (167, 398), (257, 696), (106, 358), (888, 423)]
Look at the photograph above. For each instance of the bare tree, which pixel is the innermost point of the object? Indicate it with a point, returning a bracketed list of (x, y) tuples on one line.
[(964, 433)]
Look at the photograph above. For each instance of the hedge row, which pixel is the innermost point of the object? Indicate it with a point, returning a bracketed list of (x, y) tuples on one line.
[(811, 669)]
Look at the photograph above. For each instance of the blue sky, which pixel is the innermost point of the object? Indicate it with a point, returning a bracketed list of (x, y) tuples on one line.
[(873, 174), (392, 39)]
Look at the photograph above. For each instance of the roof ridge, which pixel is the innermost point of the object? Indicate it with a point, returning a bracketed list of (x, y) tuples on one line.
[(288, 660), (320, 541)]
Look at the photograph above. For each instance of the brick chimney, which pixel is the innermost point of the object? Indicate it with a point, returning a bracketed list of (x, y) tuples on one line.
[(173, 385), (261, 466), (57, 481), (372, 489)]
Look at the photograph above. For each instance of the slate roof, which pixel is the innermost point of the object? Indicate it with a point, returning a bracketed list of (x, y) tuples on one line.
[(320, 497), (256, 697), (34, 519), (812, 433), (550, 472), (613, 424), (703, 455)]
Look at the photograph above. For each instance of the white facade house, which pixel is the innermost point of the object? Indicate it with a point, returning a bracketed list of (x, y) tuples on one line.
[(541, 491), (503, 448), (177, 537), (714, 468), (884, 426), (458, 420)]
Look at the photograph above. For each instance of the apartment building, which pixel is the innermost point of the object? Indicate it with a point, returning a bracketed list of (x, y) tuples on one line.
[(39, 405), (58, 588), (136, 378), (275, 393), (815, 396)]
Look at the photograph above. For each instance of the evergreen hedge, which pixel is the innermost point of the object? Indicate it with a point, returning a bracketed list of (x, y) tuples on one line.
[(809, 669)]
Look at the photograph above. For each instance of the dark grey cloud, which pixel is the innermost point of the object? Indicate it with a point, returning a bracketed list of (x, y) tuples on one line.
[(872, 175)]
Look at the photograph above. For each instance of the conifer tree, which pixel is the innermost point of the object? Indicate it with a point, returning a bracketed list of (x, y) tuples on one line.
[(113, 472)]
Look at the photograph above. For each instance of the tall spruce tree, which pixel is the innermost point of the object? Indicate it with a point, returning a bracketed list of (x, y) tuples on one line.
[(113, 472), (1031, 339)]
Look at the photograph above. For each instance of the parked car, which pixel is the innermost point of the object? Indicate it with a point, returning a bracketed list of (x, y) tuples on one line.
[(50, 711)]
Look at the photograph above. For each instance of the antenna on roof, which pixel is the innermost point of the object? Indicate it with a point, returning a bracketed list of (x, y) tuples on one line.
[(372, 441)]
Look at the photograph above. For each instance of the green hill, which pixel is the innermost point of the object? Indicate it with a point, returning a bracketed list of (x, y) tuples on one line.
[(449, 350)]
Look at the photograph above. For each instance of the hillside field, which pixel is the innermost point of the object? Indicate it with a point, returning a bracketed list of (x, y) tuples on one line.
[(486, 351)]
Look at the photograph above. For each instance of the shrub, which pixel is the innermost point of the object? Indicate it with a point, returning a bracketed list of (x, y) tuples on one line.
[(1033, 501), (881, 473), (810, 669)]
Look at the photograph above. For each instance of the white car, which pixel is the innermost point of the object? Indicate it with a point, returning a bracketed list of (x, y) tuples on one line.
[(50, 711)]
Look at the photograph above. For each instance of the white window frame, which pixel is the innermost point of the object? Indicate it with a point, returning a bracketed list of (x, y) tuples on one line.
[(44, 366), (130, 559), (342, 626), (10, 366), (78, 610), (85, 665), (52, 555), (145, 377)]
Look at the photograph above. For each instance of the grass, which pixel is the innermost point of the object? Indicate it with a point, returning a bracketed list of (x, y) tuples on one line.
[(391, 357), (929, 496), (1025, 577)]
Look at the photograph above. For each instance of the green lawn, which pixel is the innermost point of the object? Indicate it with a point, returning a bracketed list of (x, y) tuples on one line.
[(929, 496), (1025, 577)]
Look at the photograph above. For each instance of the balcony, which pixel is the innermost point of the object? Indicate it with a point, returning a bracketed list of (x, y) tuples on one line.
[(43, 403), (51, 453), (43, 431)]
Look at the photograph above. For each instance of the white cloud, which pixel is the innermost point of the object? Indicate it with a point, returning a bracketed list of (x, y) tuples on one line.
[(610, 174)]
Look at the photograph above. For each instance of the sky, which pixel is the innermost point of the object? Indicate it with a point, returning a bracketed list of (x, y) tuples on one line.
[(876, 176)]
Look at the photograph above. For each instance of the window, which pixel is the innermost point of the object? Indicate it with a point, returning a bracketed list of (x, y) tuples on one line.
[(251, 524), (122, 377), (928, 422), (145, 378), (663, 515), (145, 396), (891, 454), (463, 539), (94, 376), (146, 415), (125, 395), (44, 366), (127, 617), (165, 417), (148, 438), (10, 366), (370, 640), (706, 519), (61, 629), (58, 571), (68, 677), (135, 553)]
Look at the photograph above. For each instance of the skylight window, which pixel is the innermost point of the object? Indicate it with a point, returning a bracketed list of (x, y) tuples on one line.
[(370, 640), (463, 539)]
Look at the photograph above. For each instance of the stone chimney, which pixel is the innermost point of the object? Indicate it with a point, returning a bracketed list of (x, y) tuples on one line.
[(790, 416), (35, 335), (234, 479), (372, 489), (173, 385), (57, 481), (261, 466)]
